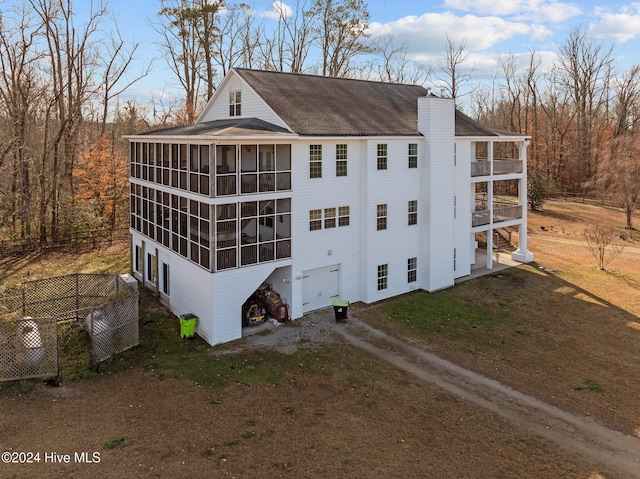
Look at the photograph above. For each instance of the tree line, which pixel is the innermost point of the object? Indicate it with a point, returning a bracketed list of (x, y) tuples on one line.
[(64, 164)]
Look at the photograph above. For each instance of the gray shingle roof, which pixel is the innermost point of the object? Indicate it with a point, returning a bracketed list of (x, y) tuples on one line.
[(230, 127), (466, 126), (325, 106)]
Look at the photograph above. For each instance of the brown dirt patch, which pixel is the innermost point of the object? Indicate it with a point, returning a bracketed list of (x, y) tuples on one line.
[(334, 411)]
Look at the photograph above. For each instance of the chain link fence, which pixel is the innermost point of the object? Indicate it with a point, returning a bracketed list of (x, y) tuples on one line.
[(36, 317)]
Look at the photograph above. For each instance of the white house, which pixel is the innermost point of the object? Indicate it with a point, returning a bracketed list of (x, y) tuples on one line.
[(322, 187)]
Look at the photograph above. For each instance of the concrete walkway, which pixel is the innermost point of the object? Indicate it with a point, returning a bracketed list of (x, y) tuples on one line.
[(501, 260)]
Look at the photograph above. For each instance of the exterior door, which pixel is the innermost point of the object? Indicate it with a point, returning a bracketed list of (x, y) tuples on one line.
[(320, 287)]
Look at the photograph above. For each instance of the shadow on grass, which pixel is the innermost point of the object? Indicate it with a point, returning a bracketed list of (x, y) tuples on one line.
[(535, 331)]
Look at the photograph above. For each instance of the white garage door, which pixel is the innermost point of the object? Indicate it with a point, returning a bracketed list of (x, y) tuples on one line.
[(320, 287)]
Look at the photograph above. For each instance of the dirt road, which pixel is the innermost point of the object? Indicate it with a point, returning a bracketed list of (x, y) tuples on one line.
[(581, 434)]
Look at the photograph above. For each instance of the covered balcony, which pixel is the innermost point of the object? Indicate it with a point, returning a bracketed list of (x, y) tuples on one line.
[(497, 158), (496, 202)]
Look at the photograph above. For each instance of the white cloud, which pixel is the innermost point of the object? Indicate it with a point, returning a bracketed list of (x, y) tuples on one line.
[(427, 33), (532, 10), (278, 10), (620, 26)]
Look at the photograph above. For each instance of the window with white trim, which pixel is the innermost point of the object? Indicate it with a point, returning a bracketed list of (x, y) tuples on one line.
[(329, 217), (315, 161), (341, 160), (343, 216), (165, 279), (138, 262), (412, 270), (381, 217), (152, 269), (235, 103), (315, 220), (413, 155), (382, 156), (413, 212), (383, 275)]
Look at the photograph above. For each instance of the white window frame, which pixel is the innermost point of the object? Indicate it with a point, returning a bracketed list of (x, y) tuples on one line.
[(383, 276), (413, 155), (382, 155), (412, 212), (235, 103), (381, 217), (341, 159), (412, 270)]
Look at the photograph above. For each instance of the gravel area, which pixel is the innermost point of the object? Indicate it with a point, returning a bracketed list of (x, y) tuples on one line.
[(318, 327)]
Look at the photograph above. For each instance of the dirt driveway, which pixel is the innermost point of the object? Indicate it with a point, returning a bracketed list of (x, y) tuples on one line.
[(580, 434)]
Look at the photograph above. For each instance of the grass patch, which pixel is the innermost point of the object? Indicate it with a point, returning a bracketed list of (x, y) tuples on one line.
[(589, 385), (118, 443), (483, 305), (162, 350)]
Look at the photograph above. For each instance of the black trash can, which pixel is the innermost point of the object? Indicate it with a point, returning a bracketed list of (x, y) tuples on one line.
[(340, 308)]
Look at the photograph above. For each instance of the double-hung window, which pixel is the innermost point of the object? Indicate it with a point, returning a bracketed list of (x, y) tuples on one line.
[(329, 217), (381, 217), (412, 270), (383, 275), (382, 156), (343, 216), (341, 160), (315, 220), (315, 161), (413, 155), (413, 212), (235, 103)]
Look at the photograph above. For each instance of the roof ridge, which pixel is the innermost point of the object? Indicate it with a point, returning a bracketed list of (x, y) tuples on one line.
[(330, 78)]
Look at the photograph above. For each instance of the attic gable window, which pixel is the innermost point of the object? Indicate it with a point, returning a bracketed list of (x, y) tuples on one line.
[(235, 101)]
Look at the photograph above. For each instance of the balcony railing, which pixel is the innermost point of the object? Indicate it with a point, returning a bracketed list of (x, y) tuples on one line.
[(503, 167), (507, 213), (255, 182), (500, 167), (503, 213), (480, 217), (480, 168)]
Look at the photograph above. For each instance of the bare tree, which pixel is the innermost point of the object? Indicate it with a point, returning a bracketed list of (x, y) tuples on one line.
[(20, 92), (454, 77), (295, 33), (554, 133), (584, 69), (599, 238), (53, 76), (626, 109), (239, 37), (619, 175), (188, 32), (342, 26), (117, 62), (71, 56), (395, 66)]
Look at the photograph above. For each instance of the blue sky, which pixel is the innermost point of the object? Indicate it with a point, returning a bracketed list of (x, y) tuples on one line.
[(490, 28)]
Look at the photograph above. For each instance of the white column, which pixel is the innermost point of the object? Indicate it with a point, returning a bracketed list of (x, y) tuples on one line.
[(522, 254), (490, 230)]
